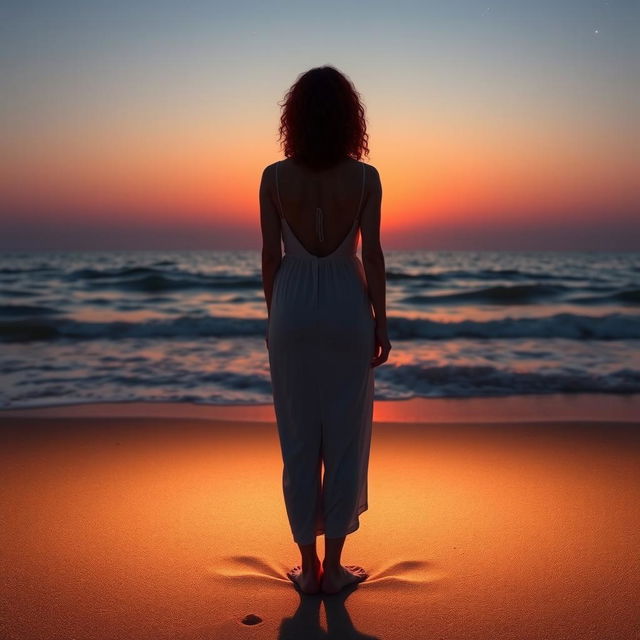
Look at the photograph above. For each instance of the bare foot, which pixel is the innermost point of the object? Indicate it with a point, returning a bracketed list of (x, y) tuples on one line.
[(308, 581), (333, 580)]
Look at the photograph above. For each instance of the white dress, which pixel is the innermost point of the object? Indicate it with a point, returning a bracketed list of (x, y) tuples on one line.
[(321, 342)]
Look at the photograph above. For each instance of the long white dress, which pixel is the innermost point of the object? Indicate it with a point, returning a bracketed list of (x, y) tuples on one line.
[(321, 342)]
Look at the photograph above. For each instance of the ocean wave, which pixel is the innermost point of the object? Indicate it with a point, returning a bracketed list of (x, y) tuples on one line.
[(393, 382), (17, 293), (502, 294), (401, 275), (16, 270), (117, 272), (625, 296), (21, 310), (482, 274), (615, 326), (151, 280), (411, 380)]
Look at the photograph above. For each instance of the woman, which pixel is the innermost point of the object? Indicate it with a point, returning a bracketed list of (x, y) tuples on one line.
[(327, 325)]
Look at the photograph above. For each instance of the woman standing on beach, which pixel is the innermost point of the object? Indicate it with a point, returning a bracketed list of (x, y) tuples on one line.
[(323, 337)]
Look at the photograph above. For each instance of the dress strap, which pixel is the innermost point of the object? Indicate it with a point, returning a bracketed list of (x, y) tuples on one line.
[(362, 192), (278, 191), (317, 212)]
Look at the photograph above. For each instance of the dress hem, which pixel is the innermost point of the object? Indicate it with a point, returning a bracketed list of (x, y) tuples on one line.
[(351, 529)]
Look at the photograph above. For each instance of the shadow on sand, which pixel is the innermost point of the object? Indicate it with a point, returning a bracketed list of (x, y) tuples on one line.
[(305, 622)]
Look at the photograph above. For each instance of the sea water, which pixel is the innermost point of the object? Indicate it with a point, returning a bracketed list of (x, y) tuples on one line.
[(189, 326)]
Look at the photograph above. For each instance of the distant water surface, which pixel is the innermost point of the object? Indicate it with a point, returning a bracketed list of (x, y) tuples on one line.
[(189, 326)]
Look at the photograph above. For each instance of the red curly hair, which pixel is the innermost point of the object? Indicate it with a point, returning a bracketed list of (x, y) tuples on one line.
[(323, 119)]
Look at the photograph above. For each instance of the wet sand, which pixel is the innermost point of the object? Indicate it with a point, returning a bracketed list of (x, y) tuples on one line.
[(173, 526)]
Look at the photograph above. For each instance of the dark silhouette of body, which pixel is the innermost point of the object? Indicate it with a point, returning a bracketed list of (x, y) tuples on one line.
[(317, 200)]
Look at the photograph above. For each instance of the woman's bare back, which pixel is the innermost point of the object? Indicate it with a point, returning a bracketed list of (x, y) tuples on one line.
[(336, 191)]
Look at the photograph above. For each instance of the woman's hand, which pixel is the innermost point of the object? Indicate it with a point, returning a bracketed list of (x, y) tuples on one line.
[(383, 346)]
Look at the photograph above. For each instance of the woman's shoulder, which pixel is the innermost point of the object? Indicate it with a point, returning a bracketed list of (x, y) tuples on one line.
[(269, 173), (370, 170), (372, 176)]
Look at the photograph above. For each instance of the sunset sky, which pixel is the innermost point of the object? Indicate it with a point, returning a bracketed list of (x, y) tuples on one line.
[(146, 125)]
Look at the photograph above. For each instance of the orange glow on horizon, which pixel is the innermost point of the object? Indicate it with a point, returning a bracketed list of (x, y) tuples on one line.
[(459, 180)]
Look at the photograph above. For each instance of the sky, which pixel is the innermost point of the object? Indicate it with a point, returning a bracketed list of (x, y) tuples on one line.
[(146, 125)]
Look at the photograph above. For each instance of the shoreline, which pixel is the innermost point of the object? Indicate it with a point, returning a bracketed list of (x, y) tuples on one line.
[(536, 408)]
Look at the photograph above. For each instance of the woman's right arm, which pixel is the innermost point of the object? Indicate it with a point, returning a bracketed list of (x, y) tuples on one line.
[(373, 263)]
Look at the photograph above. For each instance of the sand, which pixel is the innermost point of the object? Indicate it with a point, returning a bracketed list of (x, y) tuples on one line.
[(173, 526)]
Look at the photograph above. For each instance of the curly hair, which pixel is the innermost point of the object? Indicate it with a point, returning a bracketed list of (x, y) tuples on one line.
[(323, 119)]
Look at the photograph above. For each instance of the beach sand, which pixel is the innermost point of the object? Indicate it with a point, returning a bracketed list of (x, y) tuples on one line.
[(169, 525)]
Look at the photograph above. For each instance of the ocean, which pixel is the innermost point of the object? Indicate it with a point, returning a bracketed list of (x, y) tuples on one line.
[(189, 326)]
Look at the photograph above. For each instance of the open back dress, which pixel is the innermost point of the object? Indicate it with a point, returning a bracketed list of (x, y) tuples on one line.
[(321, 342)]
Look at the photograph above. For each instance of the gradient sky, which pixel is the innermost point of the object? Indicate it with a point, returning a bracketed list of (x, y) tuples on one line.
[(498, 125)]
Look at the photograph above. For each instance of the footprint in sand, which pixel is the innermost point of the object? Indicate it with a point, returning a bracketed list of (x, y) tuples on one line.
[(254, 568), (405, 572), (251, 619), (251, 568)]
